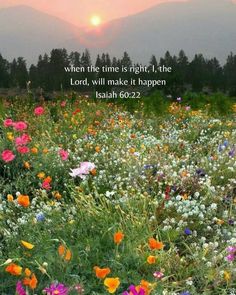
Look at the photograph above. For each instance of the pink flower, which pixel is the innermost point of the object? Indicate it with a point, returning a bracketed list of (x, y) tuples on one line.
[(20, 126), (158, 275), (230, 257), (8, 123), (23, 149), (8, 156), (46, 185), (83, 170), (39, 111), (63, 154), (63, 103), (22, 140)]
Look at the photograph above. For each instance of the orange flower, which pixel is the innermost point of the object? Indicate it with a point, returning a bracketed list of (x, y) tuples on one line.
[(31, 282), (23, 200), (27, 272), (118, 237), (151, 259), (93, 172), (14, 269), (34, 150), (101, 273), (45, 150), (64, 253), (155, 245), (26, 165), (61, 250), (112, 284), (68, 255), (48, 179), (98, 149), (146, 286), (57, 195)]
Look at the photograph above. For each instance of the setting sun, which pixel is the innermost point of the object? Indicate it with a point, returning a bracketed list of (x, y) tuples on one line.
[(95, 20)]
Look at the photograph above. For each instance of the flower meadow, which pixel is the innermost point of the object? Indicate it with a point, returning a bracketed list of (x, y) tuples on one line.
[(98, 200)]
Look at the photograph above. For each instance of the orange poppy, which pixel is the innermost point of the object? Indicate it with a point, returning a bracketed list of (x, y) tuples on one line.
[(61, 250), (68, 255), (14, 269), (23, 200), (151, 259), (118, 237), (155, 245), (31, 282), (101, 273)]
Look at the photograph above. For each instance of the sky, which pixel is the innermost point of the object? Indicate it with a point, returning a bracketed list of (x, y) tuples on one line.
[(80, 12)]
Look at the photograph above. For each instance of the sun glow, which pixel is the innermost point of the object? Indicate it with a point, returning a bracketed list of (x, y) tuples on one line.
[(95, 20)]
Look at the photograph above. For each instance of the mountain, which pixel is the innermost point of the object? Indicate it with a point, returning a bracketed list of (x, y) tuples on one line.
[(27, 32), (197, 26)]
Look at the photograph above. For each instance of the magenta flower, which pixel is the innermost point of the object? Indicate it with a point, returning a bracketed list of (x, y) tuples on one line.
[(133, 291), (22, 140), (39, 111), (8, 123), (63, 154), (231, 253), (19, 289), (7, 156), (20, 126), (58, 289), (83, 170)]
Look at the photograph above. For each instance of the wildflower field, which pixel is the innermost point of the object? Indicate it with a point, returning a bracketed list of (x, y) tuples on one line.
[(96, 199)]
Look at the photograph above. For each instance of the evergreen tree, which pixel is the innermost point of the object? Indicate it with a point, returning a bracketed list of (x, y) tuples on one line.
[(4, 72)]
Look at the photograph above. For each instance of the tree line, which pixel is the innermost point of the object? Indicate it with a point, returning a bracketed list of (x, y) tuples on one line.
[(49, 73)]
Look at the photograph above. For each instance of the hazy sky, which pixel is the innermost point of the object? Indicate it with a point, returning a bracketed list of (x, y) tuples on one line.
[(79, 12)]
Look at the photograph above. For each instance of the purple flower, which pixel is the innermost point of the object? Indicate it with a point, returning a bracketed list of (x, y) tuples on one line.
[(58, 289), (19, 289), (231, 253), (187, 231), (179, 99), (40, 216), (232, 152), (185, 293)]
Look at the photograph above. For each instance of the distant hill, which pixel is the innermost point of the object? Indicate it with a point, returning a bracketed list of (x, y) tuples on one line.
[(27, 32), (197, 26)]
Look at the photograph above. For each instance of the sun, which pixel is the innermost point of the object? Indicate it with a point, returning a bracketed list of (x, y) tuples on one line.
[(95, 20)]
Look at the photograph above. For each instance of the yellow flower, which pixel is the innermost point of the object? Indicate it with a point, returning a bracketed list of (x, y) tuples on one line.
[(27, 245), (10, 136), (41, 175), (132, 150), (112, 284), (10, 198), (26, 165), (227, 275)]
